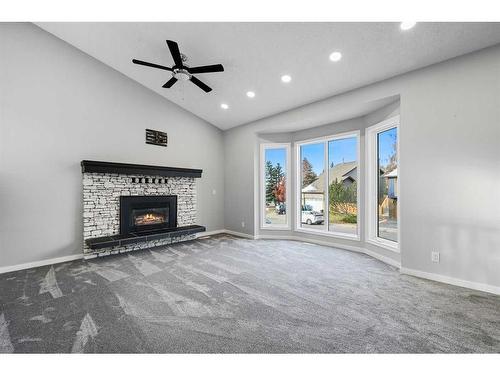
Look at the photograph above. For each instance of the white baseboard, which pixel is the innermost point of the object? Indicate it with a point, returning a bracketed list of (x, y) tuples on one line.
[(356, 249), (310, 240), (239, 234), (274, 237), (383, 258), (451, 280), (40, 263), (210, 233)]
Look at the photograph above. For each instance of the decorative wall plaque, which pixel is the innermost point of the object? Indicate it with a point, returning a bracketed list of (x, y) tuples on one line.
[(156, 137)]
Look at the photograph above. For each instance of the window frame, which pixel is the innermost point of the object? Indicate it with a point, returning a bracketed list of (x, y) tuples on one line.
[(371, 217), (262, 200), (298, 183)]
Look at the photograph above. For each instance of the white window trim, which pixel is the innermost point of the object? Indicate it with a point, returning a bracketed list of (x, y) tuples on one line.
[(371, 216), (262, 200), (298, 184), (320, 232)]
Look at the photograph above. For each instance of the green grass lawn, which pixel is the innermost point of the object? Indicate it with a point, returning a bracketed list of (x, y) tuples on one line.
[(339, 218)]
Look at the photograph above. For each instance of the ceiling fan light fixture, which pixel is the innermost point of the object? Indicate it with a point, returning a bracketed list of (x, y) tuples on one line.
[(181, 74)]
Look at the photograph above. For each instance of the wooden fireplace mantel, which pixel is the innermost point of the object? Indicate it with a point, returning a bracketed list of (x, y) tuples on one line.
[(91, 166)]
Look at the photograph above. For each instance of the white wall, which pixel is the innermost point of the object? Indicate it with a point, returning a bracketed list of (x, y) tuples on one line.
[(450, 163), (59, 106)]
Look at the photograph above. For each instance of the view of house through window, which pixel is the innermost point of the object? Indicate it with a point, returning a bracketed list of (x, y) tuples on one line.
[(275, 186), (342, 185), (313, 192), (387, 192), (329, 196)]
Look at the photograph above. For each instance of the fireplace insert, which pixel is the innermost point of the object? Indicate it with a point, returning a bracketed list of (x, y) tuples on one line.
[(147, 213)]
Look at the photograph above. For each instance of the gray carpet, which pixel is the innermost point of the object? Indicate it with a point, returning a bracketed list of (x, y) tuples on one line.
[(231, 295)]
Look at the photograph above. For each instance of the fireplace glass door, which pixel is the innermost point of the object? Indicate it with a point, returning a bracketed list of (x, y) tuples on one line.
[(146, 213), (149, 216)]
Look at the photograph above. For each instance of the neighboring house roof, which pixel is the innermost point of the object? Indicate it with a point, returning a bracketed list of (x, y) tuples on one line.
[(391, 174), (339, 172), (309, 188)]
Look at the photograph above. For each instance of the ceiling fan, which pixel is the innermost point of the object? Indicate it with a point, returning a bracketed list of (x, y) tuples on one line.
[(181, 71)]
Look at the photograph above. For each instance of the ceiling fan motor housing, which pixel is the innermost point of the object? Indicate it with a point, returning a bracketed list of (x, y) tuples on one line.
[(181, 74)]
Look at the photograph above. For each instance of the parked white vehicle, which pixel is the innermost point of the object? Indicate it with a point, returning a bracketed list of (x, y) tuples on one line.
[(311, 217)]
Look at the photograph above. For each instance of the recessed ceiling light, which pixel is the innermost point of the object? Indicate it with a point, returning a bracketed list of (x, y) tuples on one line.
[(335, 56), (250, 94), (286, 78), (224, 106), (407, 25)]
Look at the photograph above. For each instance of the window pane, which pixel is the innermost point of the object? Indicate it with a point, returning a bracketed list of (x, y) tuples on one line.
[(387, 184), (313, 185), (275, 186), (342, 189)]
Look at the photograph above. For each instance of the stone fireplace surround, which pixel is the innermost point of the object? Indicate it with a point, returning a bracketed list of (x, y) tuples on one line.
[(101, 200)]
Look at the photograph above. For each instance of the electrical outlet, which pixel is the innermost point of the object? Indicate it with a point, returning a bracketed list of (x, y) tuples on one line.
[(243, 224), (435, 256)]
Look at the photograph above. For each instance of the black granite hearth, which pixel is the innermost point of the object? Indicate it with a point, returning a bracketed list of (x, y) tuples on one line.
[(127, 239)]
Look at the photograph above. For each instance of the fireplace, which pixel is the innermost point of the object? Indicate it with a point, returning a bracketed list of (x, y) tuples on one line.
[(147, 213)]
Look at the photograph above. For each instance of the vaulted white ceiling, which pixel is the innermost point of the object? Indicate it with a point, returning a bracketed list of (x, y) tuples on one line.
[(256, 55)]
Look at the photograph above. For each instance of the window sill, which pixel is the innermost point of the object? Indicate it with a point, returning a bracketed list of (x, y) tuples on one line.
[(388, 245), (272, 227), (328, 234)]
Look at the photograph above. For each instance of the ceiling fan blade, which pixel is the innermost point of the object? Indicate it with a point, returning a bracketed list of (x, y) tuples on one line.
[(206, 69), (145, 63), (170, 83), (176, 54), (200, 84)]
